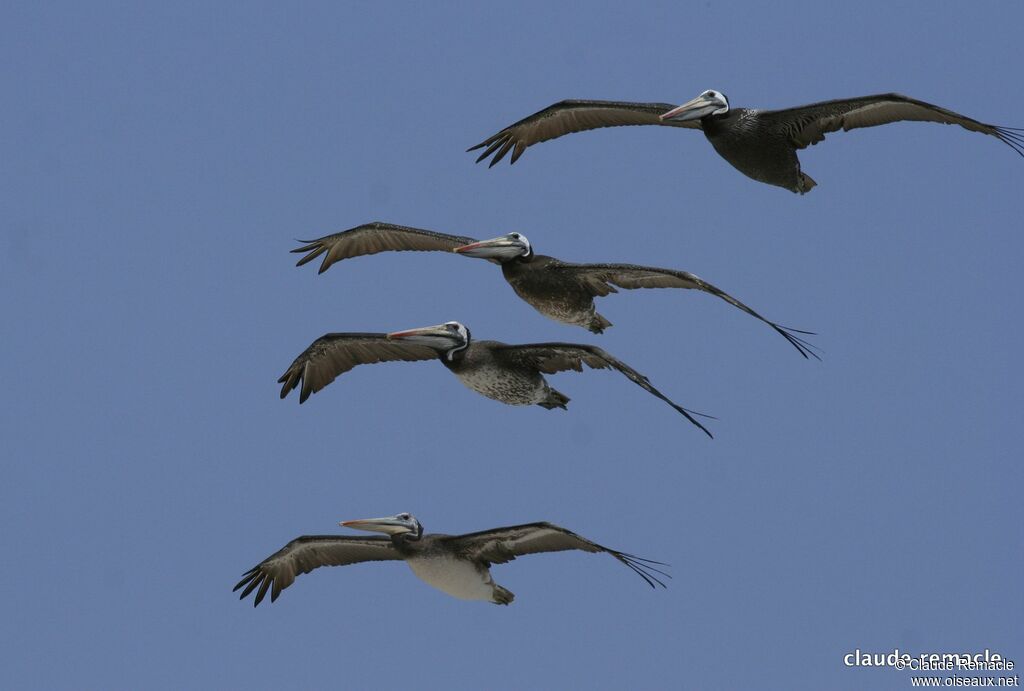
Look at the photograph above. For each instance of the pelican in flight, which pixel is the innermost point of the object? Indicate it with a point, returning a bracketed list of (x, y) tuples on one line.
[(512, 374), (761, 144), (457, 564), (559, 290)]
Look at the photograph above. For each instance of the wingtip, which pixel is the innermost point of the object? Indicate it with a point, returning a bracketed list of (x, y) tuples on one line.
[(703, 429), (688, 414), (803, 346)]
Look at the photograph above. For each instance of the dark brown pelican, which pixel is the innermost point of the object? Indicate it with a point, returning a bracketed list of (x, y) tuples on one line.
[(457, 564), (512, 374), (761, 144), (559, 290)]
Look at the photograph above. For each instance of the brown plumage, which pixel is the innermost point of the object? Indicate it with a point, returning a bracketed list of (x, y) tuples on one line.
[(457, 564), (511, 374), (559, 290), (303, 554), (371, 238), (336, 353), (761, 144), (570, 116)]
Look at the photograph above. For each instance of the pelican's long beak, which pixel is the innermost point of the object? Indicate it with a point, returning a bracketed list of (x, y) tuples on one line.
[(502, 247), (426, 335), (391, 525), (694, 109)]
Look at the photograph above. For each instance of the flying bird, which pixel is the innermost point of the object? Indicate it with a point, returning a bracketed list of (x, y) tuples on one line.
[(456, 564), (559, 290), (761, 144), (512, 374)]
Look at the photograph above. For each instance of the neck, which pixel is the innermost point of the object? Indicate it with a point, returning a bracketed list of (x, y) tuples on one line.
[(404, 538), (456, 353)]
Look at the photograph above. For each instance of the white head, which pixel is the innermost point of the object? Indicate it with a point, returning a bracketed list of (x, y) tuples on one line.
[(501, 249), (710, 102), (448, 338), (404, 524)]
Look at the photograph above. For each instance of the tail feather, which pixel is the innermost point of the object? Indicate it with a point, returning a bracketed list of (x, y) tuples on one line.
[(598, 324), (806, 183), (501, 596), (555, 399)]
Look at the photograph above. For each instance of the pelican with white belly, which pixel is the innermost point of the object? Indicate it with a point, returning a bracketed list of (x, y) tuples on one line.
[(455, 564)]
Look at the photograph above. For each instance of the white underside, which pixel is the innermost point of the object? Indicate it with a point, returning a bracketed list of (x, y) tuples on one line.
[(456, 577)]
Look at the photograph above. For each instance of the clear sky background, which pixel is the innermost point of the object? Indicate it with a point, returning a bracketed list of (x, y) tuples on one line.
[(159, 161)]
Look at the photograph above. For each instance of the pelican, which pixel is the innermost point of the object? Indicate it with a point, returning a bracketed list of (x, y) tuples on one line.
[(559, 290), (512, 374), (456, 564), (761, 144)]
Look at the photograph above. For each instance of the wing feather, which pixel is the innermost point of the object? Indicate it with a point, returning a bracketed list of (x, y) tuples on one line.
[(371, 238), (601, 279), (566, 117), (337, 353), (550, 358), (303, 554), (502, 545), (807, 125)]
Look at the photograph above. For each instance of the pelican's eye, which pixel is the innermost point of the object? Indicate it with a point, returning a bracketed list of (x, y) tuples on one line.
[(514, 236), (403, 516)]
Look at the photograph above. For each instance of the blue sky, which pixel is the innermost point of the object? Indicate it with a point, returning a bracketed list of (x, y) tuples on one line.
[(159, 162)]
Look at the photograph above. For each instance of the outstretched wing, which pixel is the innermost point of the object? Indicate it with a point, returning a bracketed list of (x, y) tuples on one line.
[(600, 280), (502, 545), (371, 238), (566, 117), (337, 353), (806, 125), (550, 358), (303, 554)]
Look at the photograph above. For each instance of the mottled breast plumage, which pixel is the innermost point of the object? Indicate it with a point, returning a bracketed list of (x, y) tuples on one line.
[(549, 293), (478, 369)]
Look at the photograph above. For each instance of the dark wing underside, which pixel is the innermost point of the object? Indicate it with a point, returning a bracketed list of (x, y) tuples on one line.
[(337, 353), (550, 358), (303, 554), (566, 117), (806, 125), (601, 279), (371, 238), (502, 545)]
